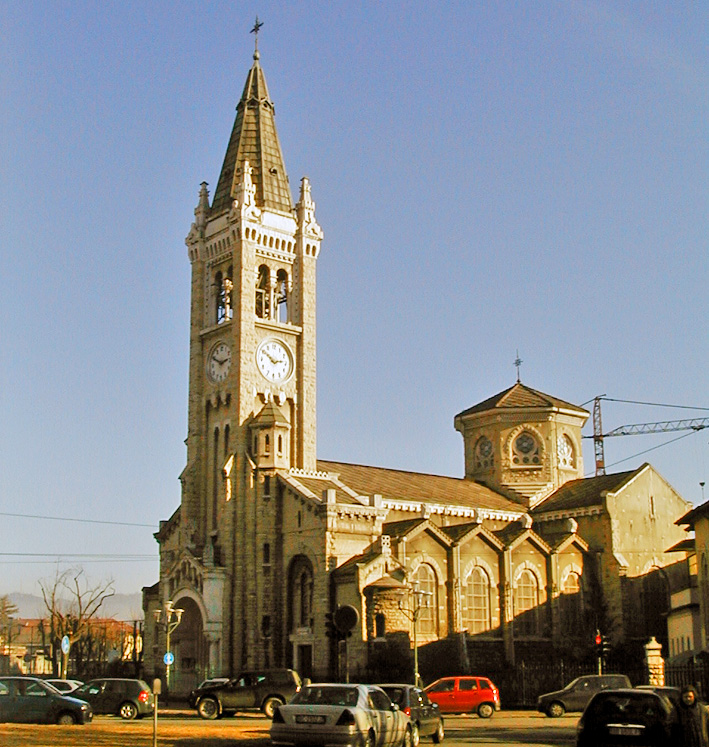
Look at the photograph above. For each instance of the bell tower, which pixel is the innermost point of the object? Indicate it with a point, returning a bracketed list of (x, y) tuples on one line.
[(252, 370), (523, 443)]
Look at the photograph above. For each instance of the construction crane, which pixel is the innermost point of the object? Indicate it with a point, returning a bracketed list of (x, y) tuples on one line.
[(691, 424)]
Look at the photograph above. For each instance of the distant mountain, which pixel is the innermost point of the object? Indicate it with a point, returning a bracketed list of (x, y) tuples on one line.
[(119, 606)]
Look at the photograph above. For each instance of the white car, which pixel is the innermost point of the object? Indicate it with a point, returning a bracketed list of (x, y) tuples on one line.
[(343, 715), (65, 686)]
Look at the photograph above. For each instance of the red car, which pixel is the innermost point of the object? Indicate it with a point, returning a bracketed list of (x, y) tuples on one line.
[(465, 695)]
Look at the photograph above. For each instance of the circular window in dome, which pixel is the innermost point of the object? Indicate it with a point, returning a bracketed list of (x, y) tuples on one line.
[(526, 451)]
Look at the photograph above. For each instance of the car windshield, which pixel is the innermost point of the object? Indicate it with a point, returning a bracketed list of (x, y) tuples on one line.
[(622, 707), (396, 694), (337, 696)]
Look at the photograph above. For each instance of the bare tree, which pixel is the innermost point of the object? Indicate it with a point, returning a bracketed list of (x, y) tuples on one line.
[(72, 603), (8, 609)]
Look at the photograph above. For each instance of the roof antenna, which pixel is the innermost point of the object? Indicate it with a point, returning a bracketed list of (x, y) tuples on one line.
[(254, 31), (518, 363)]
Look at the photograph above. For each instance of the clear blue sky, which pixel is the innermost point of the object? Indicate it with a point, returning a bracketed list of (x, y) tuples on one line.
[(489, 176)]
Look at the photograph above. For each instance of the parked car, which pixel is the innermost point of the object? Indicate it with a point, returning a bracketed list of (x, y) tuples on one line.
[(126, 698), (425, 716), (29, 700), (264, 690), (345, 715), (64, 686), (576, 695), (465, 695), (674, 694), (192, 697), (614, 718)]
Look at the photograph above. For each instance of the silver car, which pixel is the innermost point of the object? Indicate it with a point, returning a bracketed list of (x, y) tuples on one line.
[(342, 715)]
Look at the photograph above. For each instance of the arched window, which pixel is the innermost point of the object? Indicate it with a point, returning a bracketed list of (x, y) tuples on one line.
[(476, 601), (216, 478), (526, 604), (263, 293), (219, 297), (300, 593), (282, 295), (427, 601), (566, 452), (571, 602)]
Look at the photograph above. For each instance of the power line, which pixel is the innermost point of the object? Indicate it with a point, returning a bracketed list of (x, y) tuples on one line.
[(72, 555), (652, 448), (82, 521)]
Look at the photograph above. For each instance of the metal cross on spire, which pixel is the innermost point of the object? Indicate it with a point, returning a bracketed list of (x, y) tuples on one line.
[(518, 363), (255, 30)]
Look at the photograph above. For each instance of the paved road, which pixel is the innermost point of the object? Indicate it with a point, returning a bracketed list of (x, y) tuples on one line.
[(512, 729), (504, 729)]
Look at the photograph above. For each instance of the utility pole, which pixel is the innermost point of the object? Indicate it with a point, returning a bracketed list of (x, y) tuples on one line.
[(420, 602), (168, 618)]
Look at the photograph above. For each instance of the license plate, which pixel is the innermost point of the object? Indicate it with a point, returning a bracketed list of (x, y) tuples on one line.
[(309, 719), (625, 731)]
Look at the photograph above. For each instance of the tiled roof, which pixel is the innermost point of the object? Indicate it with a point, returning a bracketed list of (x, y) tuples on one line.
[(254, 138), (584, 493), (401, 528), (521, 396), (317, 485), (271, 414), (394, 485), (690, 517)]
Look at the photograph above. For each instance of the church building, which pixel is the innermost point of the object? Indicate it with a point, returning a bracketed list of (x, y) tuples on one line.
[(520, 558)]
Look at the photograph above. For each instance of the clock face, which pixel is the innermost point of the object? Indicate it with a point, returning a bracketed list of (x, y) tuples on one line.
[(274, 360), (219, 362)]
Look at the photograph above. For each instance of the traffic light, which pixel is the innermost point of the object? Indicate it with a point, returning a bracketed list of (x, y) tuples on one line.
[(605, 645), (599, 643)]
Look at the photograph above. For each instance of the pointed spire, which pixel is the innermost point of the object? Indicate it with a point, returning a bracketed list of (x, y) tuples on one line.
[(254, 139), (202, 210)]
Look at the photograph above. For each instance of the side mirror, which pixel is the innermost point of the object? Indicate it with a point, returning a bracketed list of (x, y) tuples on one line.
[(394, 707)]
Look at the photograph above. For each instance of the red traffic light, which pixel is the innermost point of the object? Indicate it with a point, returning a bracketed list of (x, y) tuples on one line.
[(599, 639)]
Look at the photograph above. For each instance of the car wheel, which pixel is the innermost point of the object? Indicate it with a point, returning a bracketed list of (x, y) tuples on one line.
[(370, 741), (128, 711), (439, 733), (66, 719), (415, 735), (269, 706), (556, 710), (407, 739), (208, 708), (485, 710)]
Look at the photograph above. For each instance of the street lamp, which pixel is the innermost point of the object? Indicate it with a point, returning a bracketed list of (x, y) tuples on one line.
[(420, 602), (167, 619)]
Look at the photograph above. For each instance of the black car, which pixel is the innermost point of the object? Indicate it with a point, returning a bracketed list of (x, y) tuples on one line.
[(29, 700), (126, 698), (629, 716), (576, 695), (426, 719), (262, 690), (211, 682)]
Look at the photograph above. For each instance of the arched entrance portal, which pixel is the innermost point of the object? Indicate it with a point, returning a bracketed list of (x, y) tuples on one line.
[(190, 649)]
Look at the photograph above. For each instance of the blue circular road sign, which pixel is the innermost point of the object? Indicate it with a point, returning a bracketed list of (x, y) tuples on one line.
[(66, 644), (169, 658)]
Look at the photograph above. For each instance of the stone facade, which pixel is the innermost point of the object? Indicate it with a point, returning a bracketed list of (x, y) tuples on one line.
[(517, 557)]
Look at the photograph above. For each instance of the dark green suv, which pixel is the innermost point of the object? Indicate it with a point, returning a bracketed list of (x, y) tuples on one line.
[(263, 690)]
